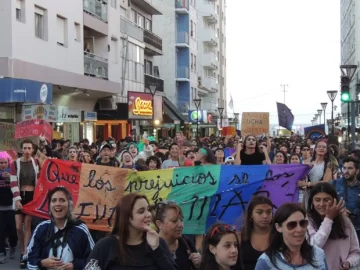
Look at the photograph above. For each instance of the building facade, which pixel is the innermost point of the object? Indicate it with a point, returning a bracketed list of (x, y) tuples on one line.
[(89, 56)]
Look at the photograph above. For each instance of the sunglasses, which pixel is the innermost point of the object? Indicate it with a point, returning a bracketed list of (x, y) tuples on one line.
[(164, 203), (293, 224), (305, 149), (222, 229)]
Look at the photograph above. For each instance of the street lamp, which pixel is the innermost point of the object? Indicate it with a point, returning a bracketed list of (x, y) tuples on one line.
[(323, 106), (197, 103), (220, 110), (319, 113), (332, 95)]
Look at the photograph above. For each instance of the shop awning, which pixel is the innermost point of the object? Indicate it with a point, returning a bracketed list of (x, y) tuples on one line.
[(171, 110)]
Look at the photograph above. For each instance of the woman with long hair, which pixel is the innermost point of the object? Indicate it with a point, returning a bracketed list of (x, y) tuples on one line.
[(205, 156), (169, 219), (250, 153), (87, 157), (280, 158), (256, 231), (221, 248), (132, 244), (153, 162), (288, 248), (61, 242), (330, 230)]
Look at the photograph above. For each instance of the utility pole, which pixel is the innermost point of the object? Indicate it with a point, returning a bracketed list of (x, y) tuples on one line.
[(284, 89)]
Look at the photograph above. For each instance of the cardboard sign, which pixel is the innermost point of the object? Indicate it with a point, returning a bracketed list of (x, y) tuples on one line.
[(255, 123), (205, 193), (7, 136)]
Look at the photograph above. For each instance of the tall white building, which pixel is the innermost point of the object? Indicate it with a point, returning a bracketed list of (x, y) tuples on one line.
[(83, 54)]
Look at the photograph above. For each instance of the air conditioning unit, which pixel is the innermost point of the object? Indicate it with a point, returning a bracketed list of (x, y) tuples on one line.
[(108, 103)]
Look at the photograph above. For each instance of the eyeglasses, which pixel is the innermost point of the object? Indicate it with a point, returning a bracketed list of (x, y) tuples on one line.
[(222, 229), (293, 224), (305, 149), (3, 162)]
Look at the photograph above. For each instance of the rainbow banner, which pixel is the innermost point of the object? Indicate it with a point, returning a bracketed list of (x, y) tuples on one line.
[(205, 193)]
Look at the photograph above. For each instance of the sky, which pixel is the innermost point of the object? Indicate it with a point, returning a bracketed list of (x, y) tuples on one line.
[(277, 42)]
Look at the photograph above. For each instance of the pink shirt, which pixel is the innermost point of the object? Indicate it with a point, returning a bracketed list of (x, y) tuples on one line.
[(339, 250)]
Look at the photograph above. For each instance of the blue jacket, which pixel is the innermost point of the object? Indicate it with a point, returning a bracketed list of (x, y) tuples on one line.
[(352, 202), (78, 240)]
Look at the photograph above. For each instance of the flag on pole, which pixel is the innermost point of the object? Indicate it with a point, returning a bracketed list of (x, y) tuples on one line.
[(286, 118), (231, 103)]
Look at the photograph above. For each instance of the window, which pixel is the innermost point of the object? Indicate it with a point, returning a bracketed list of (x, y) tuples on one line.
[(192, 2), (217, 10), (39, 23), (133, 16), (77, 31), (136, 72), (194, 30), (148, 67), (148, 25), (61, 30), (138, 54), (123, 12), (191, 28), (141, 21), (113, 3), (194, 62), (114, 50)]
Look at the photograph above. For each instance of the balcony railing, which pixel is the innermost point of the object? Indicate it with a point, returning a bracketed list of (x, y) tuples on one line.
[(129, 28), (210, 61), (182, 38), (152, 39), (96, 8), (182, 4), (211, 83), (182, 73), (95, 66), (210, 37), (149, 79)]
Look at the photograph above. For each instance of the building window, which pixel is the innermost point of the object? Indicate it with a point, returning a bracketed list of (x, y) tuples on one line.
[(217, 10), (77, 31), (192, 2), (194, 62), (114, 50), (141, 21), (123, 12), (191, 28), (113, 3), (194, 36), (138, 54), (148, 25), (148, 67), (133, 16), (40, 23), (61, 30)]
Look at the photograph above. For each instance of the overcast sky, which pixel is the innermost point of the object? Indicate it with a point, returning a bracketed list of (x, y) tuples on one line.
[(294, 42)]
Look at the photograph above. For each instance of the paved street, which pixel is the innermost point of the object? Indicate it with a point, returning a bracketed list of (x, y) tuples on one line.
[(12, 264)]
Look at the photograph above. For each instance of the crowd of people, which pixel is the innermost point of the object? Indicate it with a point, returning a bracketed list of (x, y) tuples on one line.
[(321, 231)]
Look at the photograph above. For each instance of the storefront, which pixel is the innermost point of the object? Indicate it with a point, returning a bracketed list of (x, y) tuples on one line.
[(88, 126), (68, 124)]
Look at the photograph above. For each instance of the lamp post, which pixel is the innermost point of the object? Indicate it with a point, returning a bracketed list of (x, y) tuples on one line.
[(197, 103), (220, 110), (236, 120), (323, 106), (319, 113), (152, 88), (332, 95), (347, 71)]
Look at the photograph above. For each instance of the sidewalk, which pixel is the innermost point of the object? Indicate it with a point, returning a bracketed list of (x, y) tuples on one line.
[(12, 264)]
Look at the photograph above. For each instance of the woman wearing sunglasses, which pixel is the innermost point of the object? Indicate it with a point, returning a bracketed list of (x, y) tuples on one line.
[(288, 248), (221, 248), (255, 234), (330, 230), (169, 219)]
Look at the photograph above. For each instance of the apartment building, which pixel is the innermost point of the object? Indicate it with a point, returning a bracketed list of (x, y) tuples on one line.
[(84, 58), (211, 55)]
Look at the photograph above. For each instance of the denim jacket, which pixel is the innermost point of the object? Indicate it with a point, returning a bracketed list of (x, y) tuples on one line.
[(352, 202)]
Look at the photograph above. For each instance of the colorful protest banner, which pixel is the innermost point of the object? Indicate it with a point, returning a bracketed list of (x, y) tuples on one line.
[(33, 128), (205, 193), (255, 123)]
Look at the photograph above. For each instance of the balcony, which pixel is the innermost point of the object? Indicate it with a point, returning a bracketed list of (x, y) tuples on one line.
[(182, 74), (182, 39), (210, 61), (150, 79), (153, 43), (211, 84), (209, 37), (146, 6), (131, 29), (95, 66), (212, 18), (96, 8), (182, 6)]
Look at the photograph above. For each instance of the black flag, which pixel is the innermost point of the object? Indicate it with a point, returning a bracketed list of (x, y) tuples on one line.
[(286, 118)]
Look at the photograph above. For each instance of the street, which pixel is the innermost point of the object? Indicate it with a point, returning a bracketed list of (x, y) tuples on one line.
[(13, 264)]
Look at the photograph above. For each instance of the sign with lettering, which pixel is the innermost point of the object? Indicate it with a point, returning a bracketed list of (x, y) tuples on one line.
[(205, 193), (140, 106), (7, 136), (33, 128), (40, 112), (255, 123)]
